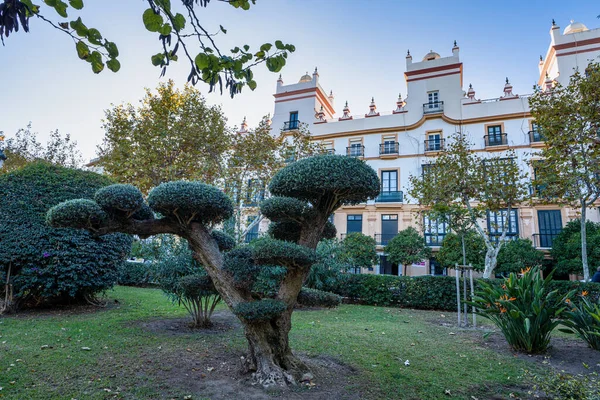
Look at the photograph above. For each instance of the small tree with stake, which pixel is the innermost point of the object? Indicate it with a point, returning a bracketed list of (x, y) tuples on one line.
[(407, 247), (306, 193)]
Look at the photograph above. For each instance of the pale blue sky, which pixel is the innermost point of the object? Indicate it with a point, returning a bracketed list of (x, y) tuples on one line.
[(358, 46)]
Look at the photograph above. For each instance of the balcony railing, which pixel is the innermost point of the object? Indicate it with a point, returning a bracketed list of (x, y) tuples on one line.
[(250, 236), (382, 239), (543, 240), (389, 197), (434, 240), (355, 151), (345, 235), (329, 151), (497, 139), (389, 148), (535, 137), (434, 145), (433, 107), (291, 125)]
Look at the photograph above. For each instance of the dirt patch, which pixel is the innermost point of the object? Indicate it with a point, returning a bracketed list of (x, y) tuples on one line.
[(222, 321)]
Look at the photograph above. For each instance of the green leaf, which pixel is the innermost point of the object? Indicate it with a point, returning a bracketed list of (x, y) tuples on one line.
[(202, 61), (114, 65), (279, 45), (235, 50), (178, 22), (60, 7), (252, 85), (152, 21), (76, 4), (111, 48), (246, 47), (32, 9), (158, 59), (266, 47), (96, 60), (79, 27), (223, 29), (165, 30), (165, 4), (94, 36), (260, 54), (83, 51)]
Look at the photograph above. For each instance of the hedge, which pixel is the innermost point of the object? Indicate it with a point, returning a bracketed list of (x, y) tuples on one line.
[(421, 292), (133, 273)]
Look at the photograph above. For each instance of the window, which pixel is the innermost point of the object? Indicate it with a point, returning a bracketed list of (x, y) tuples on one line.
[(253, 232), (354, 223), (534, 134), (433, 99), (294, 120), (386, 267), (389, 145), (435, 230), (550, 225), (389, 229), (499, 220), (356, 149), (497, 170), (389, 181), (494, 135), (255, 192), (434, 142)]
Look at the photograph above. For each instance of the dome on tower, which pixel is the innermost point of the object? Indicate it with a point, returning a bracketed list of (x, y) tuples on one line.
[(575, 27), (305, 78), (432, 55)]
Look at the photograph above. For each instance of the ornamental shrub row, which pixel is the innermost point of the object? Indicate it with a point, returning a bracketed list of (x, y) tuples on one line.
[(422, 292)]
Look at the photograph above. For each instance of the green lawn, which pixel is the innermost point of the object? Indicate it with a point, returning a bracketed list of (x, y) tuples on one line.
[(374, 340)]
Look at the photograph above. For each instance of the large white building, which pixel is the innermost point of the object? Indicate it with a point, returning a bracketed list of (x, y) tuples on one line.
[(399, 142)]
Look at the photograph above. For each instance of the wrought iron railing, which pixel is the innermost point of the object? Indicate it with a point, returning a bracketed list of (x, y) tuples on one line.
[(543, 240), (434, 145), (291, 125), (535, 136), (496, 139), (389, 148), (355, 151), (382, 239), (433, 107)]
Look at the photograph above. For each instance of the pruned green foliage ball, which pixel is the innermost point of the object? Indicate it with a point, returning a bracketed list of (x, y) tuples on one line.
[(239, 263), (119, 198), (281, 209), (144, 213), (318, 298), (280, 252), (190, 201), (310, 179), (54, 264), (196, 286), (260, 310), (285, 230), (77, 213), (224, 241), (329, 232)]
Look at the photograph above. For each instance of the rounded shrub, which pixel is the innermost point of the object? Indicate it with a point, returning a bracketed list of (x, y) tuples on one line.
[(311, 178), (285, 230), (329, 232), (144, 213), (260, 310), (285, 209), (54, 264), (76, 213), (318, 298), (190, 201), (280, 252), (224, 241), (119, 198)]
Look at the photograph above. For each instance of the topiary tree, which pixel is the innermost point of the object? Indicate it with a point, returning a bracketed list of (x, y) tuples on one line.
[(517, 255), (407, 247), (451, 251), (54, 264), (305, 194), (358, 251)]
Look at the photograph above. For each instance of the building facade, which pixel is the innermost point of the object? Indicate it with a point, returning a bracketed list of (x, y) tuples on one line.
[(401, 142)]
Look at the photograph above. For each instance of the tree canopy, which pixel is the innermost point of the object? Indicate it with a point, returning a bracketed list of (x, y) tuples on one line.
[(451, 251), (568, 117), (566, 247), (407, 247), (178, 27), (358, 251), (517, 255)]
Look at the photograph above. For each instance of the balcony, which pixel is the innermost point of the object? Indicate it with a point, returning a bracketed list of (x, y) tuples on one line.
[(355, 151), (291, 125), (389, 197), (382, 239), (389, 148), (498, 139), (535, 136), (434, 145), (543, 240), (433, 107), (329, 151)]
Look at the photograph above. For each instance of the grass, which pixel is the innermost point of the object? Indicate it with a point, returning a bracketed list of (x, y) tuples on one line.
[(125, 358)]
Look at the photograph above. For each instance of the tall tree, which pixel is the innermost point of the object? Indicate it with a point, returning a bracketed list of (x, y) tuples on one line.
[(478, 186), (568, 117), (178, 28), (172, 135), (407, 247), (304, 193), (24, 148)]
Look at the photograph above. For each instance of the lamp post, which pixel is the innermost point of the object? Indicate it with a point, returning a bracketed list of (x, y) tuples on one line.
[(2, 155)]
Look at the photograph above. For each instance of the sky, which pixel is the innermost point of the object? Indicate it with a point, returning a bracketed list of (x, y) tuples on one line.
[(359, 47)]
